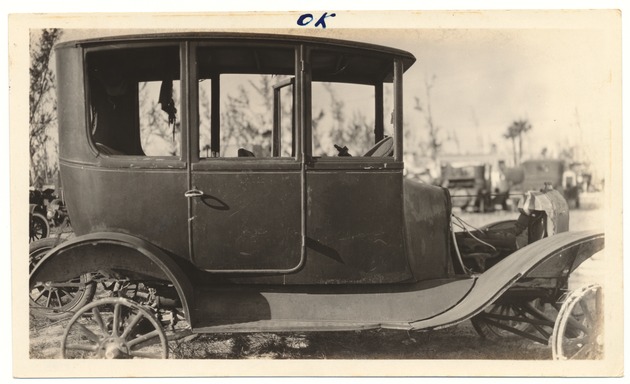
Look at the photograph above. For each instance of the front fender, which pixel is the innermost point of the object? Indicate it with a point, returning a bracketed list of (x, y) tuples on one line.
[(554, 256), (107, 250)]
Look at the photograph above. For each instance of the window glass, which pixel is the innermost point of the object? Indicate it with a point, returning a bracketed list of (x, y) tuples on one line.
[(247, 115), (344, 120), (159, 124), (253, 116), (135, 101), (205, 117)]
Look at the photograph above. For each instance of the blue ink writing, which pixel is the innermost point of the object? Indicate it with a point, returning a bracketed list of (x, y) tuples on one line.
[(307, 18)]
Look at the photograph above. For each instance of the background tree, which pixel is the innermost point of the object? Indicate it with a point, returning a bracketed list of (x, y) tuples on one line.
[(246, 115), (435, 144), (512, 134), (159, 136), (357, 133), (515, 132), (337, 107), (42, 108)]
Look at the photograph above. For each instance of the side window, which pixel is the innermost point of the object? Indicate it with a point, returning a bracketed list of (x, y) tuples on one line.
[(246, 96), (135, 98), (352, 104), (344, 121)]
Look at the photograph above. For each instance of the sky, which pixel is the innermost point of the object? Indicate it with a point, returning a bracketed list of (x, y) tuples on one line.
[(484, 79), (564, 80)]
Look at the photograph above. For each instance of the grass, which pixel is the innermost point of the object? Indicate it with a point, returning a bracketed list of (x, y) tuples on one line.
[(458, 342)]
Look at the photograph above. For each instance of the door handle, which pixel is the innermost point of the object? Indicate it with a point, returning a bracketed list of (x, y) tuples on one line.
[(193, 193)]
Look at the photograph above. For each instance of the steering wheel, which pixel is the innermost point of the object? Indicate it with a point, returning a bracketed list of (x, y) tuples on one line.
[(343, 151)]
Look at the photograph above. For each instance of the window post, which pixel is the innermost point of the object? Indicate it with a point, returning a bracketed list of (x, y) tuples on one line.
[(398, 110)]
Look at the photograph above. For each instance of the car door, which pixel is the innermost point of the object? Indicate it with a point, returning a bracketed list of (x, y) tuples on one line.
[(245, 196)]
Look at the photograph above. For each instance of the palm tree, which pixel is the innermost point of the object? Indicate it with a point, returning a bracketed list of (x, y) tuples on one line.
[(512, 134), (516, 130)]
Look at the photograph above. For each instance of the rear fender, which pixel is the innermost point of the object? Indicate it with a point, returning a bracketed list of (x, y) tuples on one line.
[(552, 257), (112, 251)]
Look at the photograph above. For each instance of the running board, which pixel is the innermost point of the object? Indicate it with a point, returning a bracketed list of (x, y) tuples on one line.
[(255, 309)]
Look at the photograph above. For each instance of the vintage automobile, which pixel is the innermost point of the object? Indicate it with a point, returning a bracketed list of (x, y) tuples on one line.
[(192, 201), (38, 200), (475, 185), (554, 172)]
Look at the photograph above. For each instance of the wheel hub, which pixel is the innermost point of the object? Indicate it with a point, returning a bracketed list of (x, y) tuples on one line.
[(113, 348)]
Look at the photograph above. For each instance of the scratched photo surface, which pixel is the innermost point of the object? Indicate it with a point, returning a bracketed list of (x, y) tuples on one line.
[(429, 196)]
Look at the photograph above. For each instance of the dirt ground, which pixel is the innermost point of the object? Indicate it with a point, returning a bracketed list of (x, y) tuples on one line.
[(456, 342)]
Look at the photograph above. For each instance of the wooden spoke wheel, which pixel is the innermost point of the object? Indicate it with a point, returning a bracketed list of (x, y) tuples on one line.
[(56, 300), (38, 227), (528, 318), (114, 328), (578, 332)]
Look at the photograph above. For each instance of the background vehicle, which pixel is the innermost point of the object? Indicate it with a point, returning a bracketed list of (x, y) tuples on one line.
[(39, 227), (47, 211), (478, 186), (553, 172), (265, 221)]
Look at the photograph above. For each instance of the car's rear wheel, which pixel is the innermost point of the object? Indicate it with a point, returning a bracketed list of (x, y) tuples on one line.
[(56, 300)]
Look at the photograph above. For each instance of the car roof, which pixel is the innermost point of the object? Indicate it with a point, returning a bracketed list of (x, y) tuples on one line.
[(362, 62)]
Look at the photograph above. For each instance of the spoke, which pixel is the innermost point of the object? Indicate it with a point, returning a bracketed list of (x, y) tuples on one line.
[(542, 331), (571, 322), (40, 295), (99, 320), (67, 293), (587, 312), (529, 308), (48, 300), (143, 338), (83, 347), (59, 304), (89, 334), (116, 319), (515, 331), (131, 325)]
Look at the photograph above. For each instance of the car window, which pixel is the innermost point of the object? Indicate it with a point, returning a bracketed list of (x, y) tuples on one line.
[(252, 115), (135, 98), (247, 116), (343, 116)]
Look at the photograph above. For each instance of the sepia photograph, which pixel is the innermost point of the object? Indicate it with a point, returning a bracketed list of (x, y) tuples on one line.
[(317, 193)]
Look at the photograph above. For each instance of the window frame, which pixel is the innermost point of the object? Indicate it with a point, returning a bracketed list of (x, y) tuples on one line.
[(138, 161), (394, 162), (233, 163)]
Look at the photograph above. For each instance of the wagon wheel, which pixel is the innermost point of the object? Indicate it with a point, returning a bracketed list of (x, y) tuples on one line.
[(114, 328), (38, 227), (578, 333), (529, 318), (56, 300)]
